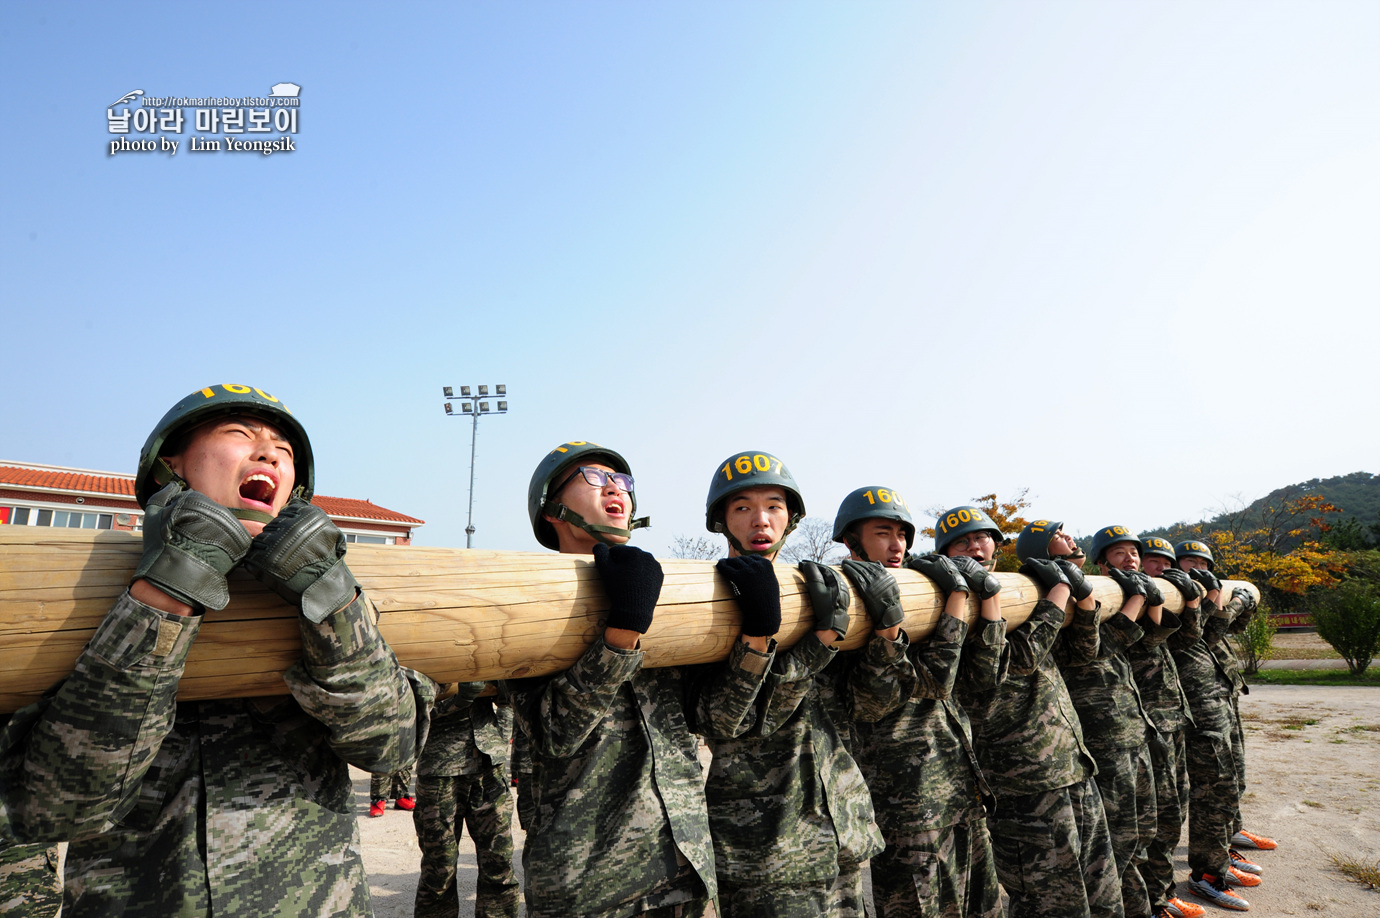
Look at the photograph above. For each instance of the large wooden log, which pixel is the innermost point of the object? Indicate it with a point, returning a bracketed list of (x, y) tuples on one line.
[(453, 614)]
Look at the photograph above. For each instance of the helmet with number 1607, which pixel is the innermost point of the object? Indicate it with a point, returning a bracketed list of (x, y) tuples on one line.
[(869, 503), (1154, 545)]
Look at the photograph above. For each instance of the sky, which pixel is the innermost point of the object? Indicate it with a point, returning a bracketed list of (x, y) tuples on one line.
[(1125, 255)]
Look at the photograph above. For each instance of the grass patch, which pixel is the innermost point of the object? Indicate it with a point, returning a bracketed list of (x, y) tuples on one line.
[(1340, 677), (1312, 803), (1357, 870)]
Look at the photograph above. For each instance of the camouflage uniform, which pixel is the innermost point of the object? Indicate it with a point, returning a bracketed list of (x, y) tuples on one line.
[(522, 777), (1157, 678), (461, 782), (790, 814), (618, 824), (1048, 830), (1212, 774), (234, 808), (1118, 732), (29, 883), (1224, 649), (391, 786), (927, 785)]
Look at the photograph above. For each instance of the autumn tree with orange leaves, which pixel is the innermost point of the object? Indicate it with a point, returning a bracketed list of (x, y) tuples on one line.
[(1006, 514)]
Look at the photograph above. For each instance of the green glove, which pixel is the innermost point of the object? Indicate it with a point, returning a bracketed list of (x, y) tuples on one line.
[(880, 595), (981, 583), (941, 570), (1185, 584), (828, 597), (190, 544), (300, 555)]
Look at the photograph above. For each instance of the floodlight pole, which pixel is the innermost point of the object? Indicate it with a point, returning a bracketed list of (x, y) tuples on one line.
[(472, 408)]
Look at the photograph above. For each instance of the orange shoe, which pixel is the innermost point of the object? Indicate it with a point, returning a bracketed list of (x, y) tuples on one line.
[(405, 803), (1181, 909), (378, 807), (1244, 839), (1241, 878)]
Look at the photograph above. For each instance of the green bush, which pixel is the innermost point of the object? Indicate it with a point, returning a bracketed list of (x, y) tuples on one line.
[(1348, 618), (1256, 642)]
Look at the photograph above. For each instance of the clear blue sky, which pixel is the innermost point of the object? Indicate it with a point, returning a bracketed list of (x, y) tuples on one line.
[(1124, 254)]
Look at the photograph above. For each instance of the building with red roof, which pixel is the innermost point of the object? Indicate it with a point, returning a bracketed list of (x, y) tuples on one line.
[(54, 495)]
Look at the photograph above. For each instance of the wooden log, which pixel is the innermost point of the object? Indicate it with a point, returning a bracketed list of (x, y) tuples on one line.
[(454, 614)]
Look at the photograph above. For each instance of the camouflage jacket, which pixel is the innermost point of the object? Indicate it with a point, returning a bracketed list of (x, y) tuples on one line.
[(1206, 685), (1028, 736), (1224, 649), (619, 823), (918, 758), (234, 808), (1157, 678), (468, 734), (787, 803), (1097, 672)]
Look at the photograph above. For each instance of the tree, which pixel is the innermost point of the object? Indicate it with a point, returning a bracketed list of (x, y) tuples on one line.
[(1006, 514), (813, 540), (697, 548), (1348, 618), (1280, 550), (1256, 642)]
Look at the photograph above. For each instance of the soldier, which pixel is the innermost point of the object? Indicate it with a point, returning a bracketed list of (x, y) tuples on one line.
[(1096, 666), (398, 786), (917, 755), (617, 825), (1158, 681), (237, 807), (1197, 557), (461, 782), (1049, 832), (1212, 770), (790, 814)]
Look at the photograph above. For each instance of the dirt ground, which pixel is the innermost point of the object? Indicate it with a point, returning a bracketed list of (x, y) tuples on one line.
[(1313, 760)]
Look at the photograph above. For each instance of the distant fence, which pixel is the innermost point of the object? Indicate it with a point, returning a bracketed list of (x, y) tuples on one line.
[(1292, 619)]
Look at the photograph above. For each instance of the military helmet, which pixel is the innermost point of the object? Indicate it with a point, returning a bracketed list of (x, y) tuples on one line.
[(1033, 542), (1154, 545), (1108, 536), (206, 405), (871, 503), (1194, 549), (552, 468), (960, 521), (749, 469)]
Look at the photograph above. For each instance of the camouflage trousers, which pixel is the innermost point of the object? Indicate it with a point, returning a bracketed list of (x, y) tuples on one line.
[(391, 787), (945, 873), (841, 899), (447, 804), (30, 886), (1213, 796), (1170, 761), (1054, 854), (1127, 782), (1238, 752)]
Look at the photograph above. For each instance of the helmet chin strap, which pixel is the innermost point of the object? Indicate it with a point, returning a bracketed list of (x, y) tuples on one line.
[(163, 475), (596, 532), (854, 545), (764, 552)]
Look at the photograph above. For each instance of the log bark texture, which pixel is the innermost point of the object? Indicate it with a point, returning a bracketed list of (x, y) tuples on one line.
[(454, 614)]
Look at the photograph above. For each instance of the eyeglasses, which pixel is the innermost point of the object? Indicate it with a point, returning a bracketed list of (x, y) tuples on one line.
[(974, 538), (598, 478)]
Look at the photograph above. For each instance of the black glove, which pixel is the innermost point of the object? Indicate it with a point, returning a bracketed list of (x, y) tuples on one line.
[(1047, 573), (190, 544), (1246, 598), (980, 581), (632, 581), (1130, 584), (941, 570), (300, 555), (1207, 578), (757, 591), (880, 594), (1153, 595), (1078, 581), (828, 597), (1189, 590)]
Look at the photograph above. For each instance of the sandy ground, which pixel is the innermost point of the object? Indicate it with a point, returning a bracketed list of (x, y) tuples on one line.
[(1313, 759)]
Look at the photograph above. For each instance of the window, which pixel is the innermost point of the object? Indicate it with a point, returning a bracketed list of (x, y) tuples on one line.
[(368, 539)]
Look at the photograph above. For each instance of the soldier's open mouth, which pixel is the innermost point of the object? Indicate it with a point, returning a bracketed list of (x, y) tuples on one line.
[(259, 488)]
